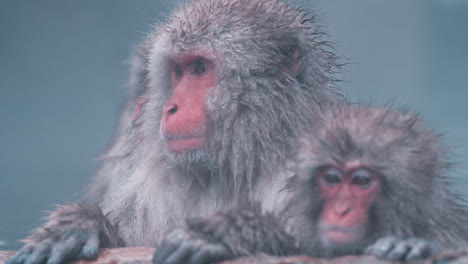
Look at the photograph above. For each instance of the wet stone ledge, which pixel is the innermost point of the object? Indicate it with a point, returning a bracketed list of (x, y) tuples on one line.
[(144, 255)]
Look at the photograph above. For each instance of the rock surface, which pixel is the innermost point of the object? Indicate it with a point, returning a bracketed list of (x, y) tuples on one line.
[(144, 255)]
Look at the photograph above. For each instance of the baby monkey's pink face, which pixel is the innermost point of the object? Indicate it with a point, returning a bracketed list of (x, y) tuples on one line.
[(347, 193)]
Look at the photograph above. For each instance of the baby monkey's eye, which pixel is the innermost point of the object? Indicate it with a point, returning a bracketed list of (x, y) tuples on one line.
[(362, 178), (331, 176)]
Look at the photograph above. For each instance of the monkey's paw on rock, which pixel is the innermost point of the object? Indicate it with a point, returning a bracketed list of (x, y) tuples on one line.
[(144, 256)]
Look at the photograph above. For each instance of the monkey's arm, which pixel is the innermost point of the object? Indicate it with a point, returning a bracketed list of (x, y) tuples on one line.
[(241, 231), (72, 231)]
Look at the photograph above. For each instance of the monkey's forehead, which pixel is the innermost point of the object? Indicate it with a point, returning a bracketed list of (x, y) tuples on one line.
[(373, 122), (234, 19), (371, 133)]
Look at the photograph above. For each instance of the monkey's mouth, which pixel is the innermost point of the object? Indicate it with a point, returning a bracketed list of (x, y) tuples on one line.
[(340, 235), (181, 143)]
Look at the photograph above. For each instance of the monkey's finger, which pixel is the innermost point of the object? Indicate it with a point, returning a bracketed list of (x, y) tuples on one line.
[(210, 254), (65, 250), (184, 251), (162, 252), (420, 249), (40, 252), (170, 244), (399, 251), (21, 255), (58, 254), (382, 246), (90, 249), (369, 250)]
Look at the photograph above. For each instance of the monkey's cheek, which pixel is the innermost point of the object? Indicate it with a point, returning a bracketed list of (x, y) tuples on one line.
[(182, 145)]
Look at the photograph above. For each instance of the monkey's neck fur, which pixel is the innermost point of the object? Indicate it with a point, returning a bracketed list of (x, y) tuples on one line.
[(153, 197)]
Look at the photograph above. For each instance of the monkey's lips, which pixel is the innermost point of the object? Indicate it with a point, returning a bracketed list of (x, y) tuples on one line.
[(341, 235), (181, 143)]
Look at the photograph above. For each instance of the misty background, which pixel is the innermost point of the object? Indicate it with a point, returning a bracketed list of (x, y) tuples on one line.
[(63, 70)]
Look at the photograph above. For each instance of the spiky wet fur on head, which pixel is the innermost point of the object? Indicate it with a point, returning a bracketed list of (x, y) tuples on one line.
[(415, 199), (255, 113)]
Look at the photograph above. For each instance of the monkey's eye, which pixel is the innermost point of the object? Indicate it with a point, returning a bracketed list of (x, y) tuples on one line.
[(199, 67), (178, 71), (331, 176), (362, 178)]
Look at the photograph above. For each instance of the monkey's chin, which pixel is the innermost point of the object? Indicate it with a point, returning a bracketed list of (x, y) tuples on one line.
[(191, 157)]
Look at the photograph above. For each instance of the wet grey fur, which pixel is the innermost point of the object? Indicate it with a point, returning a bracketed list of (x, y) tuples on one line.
[(415, 200), (415, 213), (255, 113)]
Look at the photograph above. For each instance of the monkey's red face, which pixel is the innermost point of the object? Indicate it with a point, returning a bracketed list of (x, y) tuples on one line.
[(347, 195), (184, 119)]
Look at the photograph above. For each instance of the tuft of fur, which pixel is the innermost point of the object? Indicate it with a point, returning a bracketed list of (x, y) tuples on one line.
[(416, 200), (255, 113)]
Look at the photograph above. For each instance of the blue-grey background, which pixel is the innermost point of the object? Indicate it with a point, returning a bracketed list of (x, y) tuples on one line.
[(63, 69)]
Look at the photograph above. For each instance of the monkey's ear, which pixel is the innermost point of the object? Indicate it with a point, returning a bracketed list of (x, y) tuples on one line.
[(296, 63), (293, 64)]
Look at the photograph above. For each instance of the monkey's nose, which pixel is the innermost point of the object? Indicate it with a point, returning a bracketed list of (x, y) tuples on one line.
[(342, 209), (172, 109)]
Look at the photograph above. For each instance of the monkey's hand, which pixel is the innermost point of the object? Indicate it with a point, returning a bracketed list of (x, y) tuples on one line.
[(393, 248), (72, 231), (240, 231), (184, 246)]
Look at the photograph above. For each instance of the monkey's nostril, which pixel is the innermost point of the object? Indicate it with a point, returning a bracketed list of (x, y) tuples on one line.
[(342, 210), (172, 110)]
